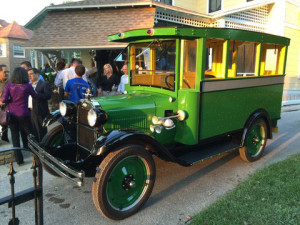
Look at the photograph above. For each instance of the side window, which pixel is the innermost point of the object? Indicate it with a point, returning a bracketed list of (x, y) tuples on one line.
[(214, 5), (2, 50), (272, 59), (242, 59), (19, 52), (214, 67), (189, 64)]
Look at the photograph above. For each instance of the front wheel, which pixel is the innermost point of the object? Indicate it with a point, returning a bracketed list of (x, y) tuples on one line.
[(124, 182), (51, 140), (255, 141)]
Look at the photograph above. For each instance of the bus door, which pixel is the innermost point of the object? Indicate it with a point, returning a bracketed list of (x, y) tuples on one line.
[(188, 92)]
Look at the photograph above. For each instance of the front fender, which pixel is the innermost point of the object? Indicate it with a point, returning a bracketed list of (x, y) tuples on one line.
[(116, 138), (51, 118)]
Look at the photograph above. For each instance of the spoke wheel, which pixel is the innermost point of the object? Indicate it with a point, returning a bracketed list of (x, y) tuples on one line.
[(255, 141), (124, 183), (51, 140)]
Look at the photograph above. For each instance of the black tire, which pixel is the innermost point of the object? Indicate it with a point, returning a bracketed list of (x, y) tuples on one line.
[(255, 141), (47, 143), (136, 183)]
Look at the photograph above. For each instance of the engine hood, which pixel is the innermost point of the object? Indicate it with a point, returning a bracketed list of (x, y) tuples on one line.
[(130, 111)]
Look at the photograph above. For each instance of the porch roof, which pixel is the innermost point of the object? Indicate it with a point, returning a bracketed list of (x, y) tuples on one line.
[(88, 29)]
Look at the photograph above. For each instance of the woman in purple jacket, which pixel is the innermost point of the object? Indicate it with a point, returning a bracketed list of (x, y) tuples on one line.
[(15, 95)]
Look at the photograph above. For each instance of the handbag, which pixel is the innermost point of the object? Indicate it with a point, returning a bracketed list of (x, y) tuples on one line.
[(4, 116)]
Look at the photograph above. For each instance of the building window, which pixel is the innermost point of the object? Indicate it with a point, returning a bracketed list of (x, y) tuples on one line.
[(2, 50), (214, 5), (19, 52), (167, 2)]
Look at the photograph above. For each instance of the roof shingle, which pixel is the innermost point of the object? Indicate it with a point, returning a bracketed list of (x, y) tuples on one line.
[(88, 28)]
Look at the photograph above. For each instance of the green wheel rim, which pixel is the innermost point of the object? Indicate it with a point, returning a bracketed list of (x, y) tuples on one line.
[(256, 139), (127, 183), (56, 140)]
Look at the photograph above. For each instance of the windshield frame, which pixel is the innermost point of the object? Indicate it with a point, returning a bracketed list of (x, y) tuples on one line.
[(174, 70)]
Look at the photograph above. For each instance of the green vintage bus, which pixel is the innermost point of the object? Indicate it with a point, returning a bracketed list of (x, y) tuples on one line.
[(193, 93)]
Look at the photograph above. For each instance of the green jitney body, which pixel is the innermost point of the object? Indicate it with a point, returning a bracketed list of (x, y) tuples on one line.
[(218, 105)]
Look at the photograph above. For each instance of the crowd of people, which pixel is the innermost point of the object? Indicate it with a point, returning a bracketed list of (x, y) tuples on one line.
[(25, 94)]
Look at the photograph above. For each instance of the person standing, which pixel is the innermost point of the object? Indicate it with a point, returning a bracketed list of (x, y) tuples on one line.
[(69, 73), (124, 80), (60, 66), (27, 66), (3, 81), (108, 82), (39, 107), (77, 87), (16, 95)]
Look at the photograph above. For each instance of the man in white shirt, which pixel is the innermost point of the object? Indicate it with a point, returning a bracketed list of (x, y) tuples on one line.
[(124, 80), (69, 73)]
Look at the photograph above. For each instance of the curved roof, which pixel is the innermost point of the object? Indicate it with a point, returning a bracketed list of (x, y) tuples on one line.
[(225, 33)]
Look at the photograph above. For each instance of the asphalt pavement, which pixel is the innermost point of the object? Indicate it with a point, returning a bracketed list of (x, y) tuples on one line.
[(179, 192)]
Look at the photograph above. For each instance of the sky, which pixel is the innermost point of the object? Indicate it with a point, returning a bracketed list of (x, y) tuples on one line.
[(22, 11)]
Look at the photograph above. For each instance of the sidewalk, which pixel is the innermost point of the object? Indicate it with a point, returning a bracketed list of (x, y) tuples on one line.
[(291, 97)]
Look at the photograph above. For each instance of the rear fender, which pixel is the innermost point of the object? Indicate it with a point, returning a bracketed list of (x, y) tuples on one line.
[(261, 113), (117, 138)]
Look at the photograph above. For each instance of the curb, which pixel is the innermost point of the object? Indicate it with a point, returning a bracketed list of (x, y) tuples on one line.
[(291, 102)]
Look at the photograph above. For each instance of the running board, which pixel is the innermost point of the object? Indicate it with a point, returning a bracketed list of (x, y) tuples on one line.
[(201, 153)]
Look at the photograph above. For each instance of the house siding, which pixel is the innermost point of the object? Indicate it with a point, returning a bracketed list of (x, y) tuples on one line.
[(15, 62), (194, 5), (292, 31)]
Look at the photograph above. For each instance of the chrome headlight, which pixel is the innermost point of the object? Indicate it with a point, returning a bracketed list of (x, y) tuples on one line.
[(63, 108), (96, 117), (92, 117), (67, 108)]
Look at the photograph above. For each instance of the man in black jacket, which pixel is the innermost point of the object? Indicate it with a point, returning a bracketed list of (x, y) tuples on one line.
[(39, 107)]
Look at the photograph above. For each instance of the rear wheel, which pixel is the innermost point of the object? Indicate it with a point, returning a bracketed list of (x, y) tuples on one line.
[(255, 141), (124, 182), (52, 139)]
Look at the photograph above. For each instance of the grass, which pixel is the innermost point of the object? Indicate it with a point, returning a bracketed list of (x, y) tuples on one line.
[(270, 196)]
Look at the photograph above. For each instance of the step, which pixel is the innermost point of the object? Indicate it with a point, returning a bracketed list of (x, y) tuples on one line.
[(200, 153)]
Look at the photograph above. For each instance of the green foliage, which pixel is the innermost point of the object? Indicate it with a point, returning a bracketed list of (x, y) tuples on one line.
[(49, 77), (270, 196)]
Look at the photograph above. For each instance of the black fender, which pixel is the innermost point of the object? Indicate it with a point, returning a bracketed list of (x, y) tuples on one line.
[(260, 113), (51, 118), (116, 138)]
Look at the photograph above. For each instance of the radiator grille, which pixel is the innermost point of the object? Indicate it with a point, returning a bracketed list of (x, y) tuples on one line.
[(86, 135)]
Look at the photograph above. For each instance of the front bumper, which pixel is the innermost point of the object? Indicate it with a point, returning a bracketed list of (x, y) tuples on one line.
[(57, 165)]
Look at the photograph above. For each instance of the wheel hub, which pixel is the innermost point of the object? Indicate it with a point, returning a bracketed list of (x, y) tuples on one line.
[(128, 182)]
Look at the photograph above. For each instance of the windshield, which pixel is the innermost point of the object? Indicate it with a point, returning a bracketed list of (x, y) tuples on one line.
[(153, 64)]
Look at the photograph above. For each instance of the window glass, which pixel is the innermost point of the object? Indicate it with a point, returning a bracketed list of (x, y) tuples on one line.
[(214, 58), (19, 52), (189, 64), (272, 59), (214, 5), (241, 61), (168, 2), (2, 50), (153, 64)]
